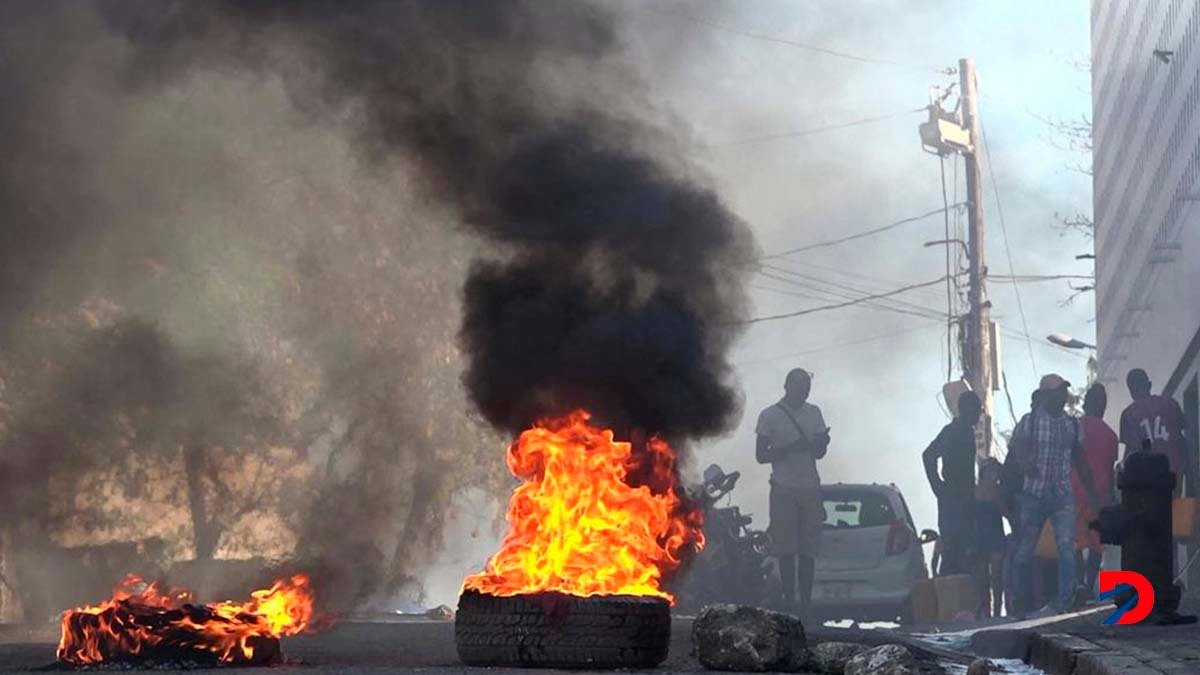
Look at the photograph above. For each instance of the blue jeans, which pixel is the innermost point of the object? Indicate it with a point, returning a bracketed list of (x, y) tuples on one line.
[(1033, 512)]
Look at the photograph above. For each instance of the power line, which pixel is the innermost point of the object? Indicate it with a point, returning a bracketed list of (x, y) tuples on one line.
[(844, 291), (860, 235), (949, 279), (907, 308), (833, 346), (919, 311), (801, 45), (809, 132), (879, 283), (806, 280), (784, 291), (987, 154), (1012, 411), (1019, 278), (848, 303), (962, 262)]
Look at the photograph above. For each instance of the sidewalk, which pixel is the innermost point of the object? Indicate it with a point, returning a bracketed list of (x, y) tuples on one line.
[(1081, 645)]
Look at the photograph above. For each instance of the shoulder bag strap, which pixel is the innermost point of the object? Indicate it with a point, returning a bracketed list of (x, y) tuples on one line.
[(792, 419)]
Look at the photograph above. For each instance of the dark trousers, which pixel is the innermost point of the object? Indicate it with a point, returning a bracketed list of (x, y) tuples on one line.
[(956, 525)]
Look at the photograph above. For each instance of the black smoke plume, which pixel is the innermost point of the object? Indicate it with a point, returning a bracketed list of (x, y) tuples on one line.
[(617, 288), (158, 301)]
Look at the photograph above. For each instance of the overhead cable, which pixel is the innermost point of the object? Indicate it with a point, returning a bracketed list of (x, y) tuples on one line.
[(987, 154), (859, 235), (834, 346), (848, 303), (786, 135), (800, 45)]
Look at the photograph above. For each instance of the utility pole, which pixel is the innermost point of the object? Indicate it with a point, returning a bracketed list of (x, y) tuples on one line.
[(946, 133), (977, 361)]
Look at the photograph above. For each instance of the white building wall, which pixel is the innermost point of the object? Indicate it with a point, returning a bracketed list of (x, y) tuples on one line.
[(1146, 132)]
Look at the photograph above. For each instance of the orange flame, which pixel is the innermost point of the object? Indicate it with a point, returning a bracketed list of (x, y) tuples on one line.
[(578, 526), (140, 619)]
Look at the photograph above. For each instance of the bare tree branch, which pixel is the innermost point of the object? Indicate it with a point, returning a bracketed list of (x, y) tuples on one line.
[(1079, 223), (1078, 291)]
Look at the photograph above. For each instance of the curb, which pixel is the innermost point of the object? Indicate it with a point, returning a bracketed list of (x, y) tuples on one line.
[(1065, 654), (1002, 643)]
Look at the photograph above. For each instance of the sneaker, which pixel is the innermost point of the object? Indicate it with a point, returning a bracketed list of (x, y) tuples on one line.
[(1083, 595)]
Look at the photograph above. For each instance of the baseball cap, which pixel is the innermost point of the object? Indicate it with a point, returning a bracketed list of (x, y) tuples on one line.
[(1052, 382)]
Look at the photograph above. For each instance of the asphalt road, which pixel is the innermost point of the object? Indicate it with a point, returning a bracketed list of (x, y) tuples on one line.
[(418, 646), (415, 646)]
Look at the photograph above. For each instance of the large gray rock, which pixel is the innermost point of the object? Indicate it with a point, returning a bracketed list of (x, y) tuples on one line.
[(831, 658), (883, 660), (734, 637)]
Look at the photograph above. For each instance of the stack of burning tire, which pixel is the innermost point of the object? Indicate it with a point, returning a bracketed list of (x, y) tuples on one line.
[(555, 630), (144, 626), (593, 529)]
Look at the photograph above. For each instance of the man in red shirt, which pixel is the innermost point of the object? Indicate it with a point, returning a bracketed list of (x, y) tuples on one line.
[(1160, 420), (1100, 453)]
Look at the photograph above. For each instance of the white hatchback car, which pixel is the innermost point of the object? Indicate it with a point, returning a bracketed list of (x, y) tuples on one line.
[(870, 555)]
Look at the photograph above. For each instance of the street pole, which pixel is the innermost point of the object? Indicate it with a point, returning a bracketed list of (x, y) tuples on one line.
[(978, 363)]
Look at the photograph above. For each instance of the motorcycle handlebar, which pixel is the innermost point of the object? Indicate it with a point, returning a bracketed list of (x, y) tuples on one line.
[(719, 488)]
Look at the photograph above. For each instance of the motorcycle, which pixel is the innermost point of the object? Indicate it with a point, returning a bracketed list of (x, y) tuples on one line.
[(733, 567)]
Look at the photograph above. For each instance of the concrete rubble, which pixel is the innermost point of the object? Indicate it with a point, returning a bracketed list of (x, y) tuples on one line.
[(741, 638), (830, 658), (883, 660)]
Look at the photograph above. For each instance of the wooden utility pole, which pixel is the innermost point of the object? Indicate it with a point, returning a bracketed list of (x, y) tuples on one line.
[(977, 361)]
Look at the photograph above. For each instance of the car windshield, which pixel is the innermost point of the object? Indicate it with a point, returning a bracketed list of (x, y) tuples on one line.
[(847, 509)]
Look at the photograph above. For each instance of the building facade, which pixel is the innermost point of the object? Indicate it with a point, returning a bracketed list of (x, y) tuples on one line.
[(1146, 197)]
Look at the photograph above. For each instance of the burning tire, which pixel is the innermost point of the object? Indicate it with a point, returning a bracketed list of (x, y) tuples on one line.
[(143, 626), (552, 630)]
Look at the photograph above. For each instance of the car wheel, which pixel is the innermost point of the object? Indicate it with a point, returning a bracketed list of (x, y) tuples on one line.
[(552, 630)]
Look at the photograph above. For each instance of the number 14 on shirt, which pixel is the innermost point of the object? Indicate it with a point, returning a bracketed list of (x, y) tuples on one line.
[(1158, 432)]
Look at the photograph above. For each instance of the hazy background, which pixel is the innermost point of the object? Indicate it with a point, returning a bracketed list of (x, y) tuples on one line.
[(217, 236), (878, 373)]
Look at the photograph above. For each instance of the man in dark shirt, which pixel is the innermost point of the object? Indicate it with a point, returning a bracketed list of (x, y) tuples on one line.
[(955, 486), (1160, 420)]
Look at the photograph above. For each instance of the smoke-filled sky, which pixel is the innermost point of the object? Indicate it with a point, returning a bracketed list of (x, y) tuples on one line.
[(877, 373), (249, 185)]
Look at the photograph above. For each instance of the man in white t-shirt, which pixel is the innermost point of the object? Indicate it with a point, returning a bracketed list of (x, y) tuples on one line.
[(792, 436)]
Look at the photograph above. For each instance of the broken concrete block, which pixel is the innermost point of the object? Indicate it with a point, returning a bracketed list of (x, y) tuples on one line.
[(742, 638), (830, 658), (883, 660)]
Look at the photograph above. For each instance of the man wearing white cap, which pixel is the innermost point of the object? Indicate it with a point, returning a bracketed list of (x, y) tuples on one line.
[(1048, 442)]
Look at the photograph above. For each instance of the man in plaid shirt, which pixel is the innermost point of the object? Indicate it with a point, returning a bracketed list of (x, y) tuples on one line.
[(1048, 442)]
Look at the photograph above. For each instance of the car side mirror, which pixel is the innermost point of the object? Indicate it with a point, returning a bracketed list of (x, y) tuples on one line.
[(928, 537)]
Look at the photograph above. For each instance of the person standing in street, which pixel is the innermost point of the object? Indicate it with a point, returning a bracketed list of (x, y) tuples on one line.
[(1160, 420), (990, 545), (1012, 481), (792, 436), (954, 487), (1100, 455), (1049, 443)]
